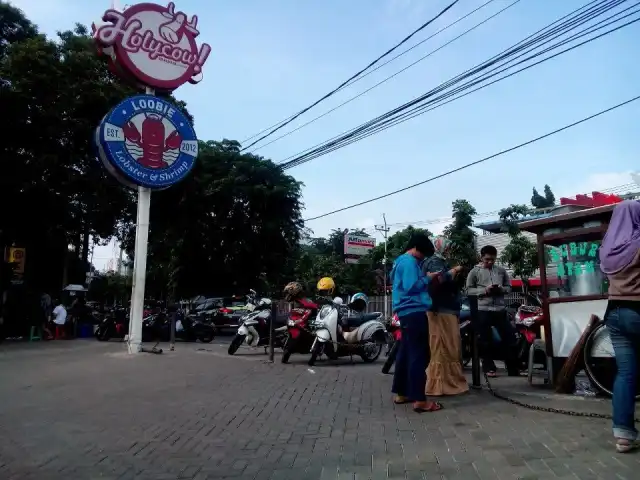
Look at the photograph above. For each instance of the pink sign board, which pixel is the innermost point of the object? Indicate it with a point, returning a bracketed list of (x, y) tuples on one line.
[(152, 44)]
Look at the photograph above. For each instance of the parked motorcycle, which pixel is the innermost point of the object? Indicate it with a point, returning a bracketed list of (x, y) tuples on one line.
[(157, 327), (528, 320), (114, 325), (395, 336), (338, 335), (300, 337), (254, 326)]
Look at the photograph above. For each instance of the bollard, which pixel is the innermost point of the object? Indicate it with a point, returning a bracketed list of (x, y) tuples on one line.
[(272, 321), (475, 354)]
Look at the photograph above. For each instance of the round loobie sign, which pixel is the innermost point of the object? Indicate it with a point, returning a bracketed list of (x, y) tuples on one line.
[(154, 44), (148, 141)]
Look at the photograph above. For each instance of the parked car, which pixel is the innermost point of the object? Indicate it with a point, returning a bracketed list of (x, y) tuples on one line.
[(230, 313), (207, 309)]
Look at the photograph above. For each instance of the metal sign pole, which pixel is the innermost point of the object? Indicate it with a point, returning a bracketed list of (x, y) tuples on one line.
[(385, 233), (139, 266)]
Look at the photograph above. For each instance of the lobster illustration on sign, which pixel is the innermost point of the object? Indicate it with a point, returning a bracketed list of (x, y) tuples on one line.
[(151, 141)]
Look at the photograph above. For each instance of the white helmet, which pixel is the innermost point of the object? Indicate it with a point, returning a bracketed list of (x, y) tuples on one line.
[(264, 301), (337, 300)]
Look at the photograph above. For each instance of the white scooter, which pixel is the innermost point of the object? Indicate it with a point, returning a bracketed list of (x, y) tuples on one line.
[(254, 329), (339, 334)]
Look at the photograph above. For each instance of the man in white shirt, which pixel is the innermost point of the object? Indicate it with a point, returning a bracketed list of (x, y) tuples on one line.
[(59, 318)]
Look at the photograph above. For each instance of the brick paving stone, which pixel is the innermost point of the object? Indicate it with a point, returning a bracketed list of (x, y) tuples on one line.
[(87, 410)]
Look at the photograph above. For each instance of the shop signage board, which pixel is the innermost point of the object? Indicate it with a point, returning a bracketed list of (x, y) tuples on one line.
[(357, 246), (152, 44)]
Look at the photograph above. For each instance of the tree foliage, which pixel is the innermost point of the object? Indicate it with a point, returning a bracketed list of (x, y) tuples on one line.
[(463, 249), (521, 254), (233, 224), (110, 288), (57, 92), (319, 257), (540, 201), (396, 245)]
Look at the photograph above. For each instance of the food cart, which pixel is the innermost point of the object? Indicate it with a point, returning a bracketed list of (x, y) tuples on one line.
[(573, 288)]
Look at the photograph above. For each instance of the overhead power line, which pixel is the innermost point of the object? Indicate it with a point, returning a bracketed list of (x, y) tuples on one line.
[(421, 59), (419, 106), (353, 77), (476, 162)]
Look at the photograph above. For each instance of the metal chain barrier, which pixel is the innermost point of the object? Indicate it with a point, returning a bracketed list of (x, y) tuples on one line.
[(545, 409)]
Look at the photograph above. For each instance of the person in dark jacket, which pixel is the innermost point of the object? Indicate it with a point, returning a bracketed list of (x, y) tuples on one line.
[(444, 373)]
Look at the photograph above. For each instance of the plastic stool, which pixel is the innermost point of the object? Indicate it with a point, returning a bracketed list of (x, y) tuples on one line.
[(35, 334), (539, 344)]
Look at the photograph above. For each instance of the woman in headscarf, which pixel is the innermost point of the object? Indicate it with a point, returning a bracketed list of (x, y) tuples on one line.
[(620, 261), (444, 373)]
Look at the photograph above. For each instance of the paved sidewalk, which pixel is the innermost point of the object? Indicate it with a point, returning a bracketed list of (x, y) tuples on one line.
[(90, 411)]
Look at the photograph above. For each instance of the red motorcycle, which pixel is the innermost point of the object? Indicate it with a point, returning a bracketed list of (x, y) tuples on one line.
[(528, 320), (395, 335), (300, 338)]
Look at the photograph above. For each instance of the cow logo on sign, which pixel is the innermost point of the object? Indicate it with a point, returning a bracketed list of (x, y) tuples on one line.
[(154, 44), (148, 141)]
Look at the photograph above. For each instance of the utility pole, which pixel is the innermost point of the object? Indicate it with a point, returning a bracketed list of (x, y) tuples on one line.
[(384, 229)]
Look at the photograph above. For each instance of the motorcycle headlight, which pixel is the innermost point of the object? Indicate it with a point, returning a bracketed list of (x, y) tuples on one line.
[(291, 323), (527, 322)]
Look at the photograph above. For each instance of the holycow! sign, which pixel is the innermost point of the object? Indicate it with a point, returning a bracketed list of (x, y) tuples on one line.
[(153, 44), (146, 142)]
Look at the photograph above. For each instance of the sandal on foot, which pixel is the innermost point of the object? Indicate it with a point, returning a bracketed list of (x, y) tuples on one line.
[(626, 446), (400, 400), (433, 407), (492, 375)]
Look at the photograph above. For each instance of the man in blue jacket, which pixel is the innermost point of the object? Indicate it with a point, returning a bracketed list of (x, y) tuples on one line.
[(410, 301)]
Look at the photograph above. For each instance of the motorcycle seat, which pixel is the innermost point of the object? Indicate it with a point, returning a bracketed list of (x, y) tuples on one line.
[(357, 320)]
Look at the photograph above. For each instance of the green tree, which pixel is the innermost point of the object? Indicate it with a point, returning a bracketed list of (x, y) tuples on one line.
[(546, 201), (324, 257), (521, 255), (57, 92), (463, 249), (110, 288), (396, 246), (549, 196), (233, 222), (14, 27)]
